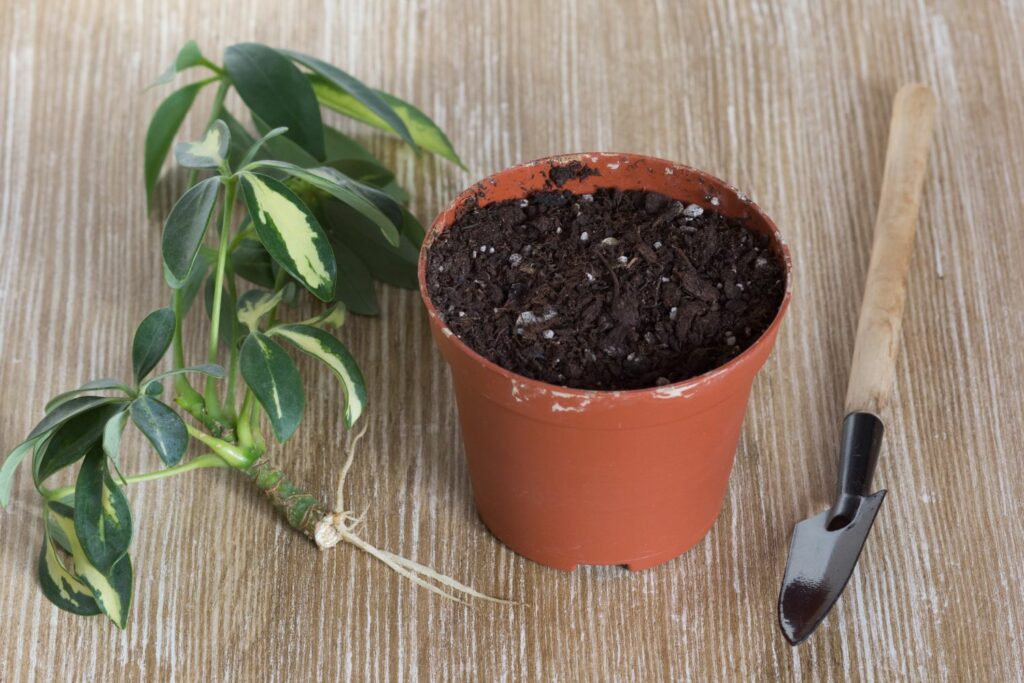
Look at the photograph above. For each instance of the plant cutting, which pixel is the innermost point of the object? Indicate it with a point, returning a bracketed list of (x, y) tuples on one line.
[(604, 316), (295, 205)]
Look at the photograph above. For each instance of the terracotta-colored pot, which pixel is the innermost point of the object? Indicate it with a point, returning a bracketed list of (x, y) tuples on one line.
[(569, 476)]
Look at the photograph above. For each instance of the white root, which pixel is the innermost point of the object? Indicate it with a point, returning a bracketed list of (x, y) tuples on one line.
[(340, 527)]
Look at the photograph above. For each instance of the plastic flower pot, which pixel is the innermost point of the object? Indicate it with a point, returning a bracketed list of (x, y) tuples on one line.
[(569, 476)]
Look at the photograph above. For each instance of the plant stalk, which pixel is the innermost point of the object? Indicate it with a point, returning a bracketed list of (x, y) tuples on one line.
[(200, 462), (213, 404)]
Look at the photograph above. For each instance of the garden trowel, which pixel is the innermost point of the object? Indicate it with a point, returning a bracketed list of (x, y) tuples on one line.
[(825, 547)]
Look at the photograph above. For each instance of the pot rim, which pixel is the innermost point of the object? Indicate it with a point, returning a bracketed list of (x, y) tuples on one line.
[(680, 388)]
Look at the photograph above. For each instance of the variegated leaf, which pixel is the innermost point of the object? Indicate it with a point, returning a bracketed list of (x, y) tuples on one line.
[(60, 585), (342, 188), (424, 132), (112, 590), (256, 303), (185, 230), (209, 152), (332, 353), (334, 317), (273, 378), (291, 233), (103, 520), (366, 97)]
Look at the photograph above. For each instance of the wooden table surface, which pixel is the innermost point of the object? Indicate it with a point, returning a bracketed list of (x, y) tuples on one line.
[(789, 101)]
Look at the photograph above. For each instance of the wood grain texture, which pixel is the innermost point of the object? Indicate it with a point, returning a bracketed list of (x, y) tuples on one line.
[(788, 100)]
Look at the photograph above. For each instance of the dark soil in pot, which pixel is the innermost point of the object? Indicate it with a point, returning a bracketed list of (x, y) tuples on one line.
[(614, 290)]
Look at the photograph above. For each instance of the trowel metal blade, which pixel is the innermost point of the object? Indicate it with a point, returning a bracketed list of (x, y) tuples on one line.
[(820, 563)]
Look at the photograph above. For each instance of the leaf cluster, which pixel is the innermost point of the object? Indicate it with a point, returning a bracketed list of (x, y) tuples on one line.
[(319, 212)]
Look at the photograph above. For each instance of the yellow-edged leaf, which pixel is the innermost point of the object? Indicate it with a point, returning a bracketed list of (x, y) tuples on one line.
[(425, 133), (290, 232), (112, 591), (332, 353)]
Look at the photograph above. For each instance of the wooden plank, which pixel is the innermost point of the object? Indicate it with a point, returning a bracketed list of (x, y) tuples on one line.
[(789, 102)]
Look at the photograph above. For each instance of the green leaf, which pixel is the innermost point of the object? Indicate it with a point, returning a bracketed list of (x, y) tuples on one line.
[(252, 262), (111, 441), (273, 378), (374, 174), (73, 439), (412, 228), (228, 329), (210, 369), (163, 127), (209, 152), (332, 353), (393, 265), (61, 586), (276, 91), (67, 410), (258, 145), (188, 56), (366, 98), (152, 338), (290, 232), (333, 317), (185, 229), (281, 148), (192, 284), (10, 465), (257, 303), (113, 590), (104, 384), (424, 132), (341, 146), (162, 426), (355, 284), (344, 189), (103, 520)]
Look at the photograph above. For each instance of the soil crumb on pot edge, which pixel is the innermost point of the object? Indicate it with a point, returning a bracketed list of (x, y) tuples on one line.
[(614, 290)]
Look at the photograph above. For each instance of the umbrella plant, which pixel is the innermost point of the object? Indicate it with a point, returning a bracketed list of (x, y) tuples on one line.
[(294, 205)]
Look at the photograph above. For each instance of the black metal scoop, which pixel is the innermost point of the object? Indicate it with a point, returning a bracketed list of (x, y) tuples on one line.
[(825, 547)]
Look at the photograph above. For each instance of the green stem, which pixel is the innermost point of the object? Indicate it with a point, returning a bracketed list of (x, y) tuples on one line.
[(229, 402), (244, 426), (187, 397), (201, 462), (213, 404), (234, 455)]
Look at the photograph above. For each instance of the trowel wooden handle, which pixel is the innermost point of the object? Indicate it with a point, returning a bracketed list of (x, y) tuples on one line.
[(881, 312)]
